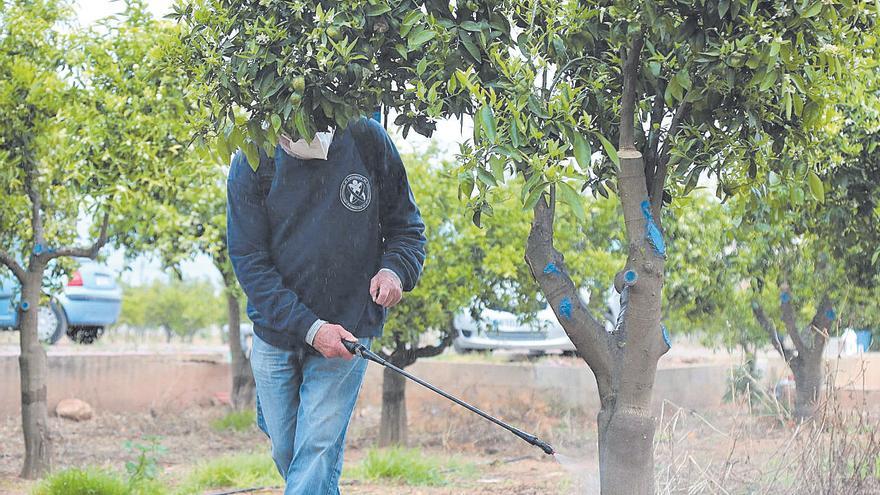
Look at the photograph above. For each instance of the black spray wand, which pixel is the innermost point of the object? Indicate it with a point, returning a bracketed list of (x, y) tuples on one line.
[(359, 350)]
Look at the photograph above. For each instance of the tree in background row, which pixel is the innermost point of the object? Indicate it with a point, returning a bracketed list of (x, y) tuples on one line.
[(180, 308), (192, 222), (810, 250), (88, 131), (685, 88)]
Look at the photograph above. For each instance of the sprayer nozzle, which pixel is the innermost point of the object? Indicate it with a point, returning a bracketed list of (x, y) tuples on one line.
[(545, 447), (542, 445)]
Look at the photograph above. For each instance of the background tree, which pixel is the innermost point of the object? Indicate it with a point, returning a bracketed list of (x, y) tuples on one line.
[(707, 83), (192, 222), (85, 135), (809, 236), (178, 307)]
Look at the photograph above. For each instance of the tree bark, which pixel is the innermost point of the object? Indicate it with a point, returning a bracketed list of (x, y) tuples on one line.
[(807, 369), (393, 428), (34, 366), (808, 378), (242, 394)]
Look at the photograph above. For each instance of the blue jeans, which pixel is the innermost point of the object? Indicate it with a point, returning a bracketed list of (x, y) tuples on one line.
[(304, 404)]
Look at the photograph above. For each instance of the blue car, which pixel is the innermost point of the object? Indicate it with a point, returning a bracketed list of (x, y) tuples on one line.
[(90, 302)]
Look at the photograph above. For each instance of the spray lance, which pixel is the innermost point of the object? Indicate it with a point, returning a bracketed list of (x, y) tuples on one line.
[(361, 351)]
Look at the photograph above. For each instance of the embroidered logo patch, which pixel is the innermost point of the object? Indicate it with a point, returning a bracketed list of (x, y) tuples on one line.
[(355, 192)]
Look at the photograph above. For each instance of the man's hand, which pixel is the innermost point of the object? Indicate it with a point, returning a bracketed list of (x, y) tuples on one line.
[(328, 341), (385, 289)]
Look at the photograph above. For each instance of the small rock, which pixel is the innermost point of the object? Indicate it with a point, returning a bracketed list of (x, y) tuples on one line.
[(74, 409)]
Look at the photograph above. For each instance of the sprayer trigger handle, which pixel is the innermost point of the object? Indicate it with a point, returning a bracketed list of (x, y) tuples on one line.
[(353, 347)]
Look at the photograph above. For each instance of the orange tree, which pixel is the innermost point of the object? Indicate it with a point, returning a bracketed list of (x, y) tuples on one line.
[(685, 88), (88, 132)]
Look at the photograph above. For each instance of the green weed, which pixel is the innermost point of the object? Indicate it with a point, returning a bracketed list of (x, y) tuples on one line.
[(232, 471), (408, 466), (236, 421), (94, 481)]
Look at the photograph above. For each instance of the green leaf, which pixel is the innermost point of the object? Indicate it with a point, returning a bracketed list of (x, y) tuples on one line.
[(609, 149), (534, 196), (469, 45), (276, 122), (488, 120), (471, 26), (252, 153), (582, 151), (497, 163), (816, 187), (419, 38), (486, 177), (813, 10), (515, 138), (412, 17), (374, 10), (573, 199)]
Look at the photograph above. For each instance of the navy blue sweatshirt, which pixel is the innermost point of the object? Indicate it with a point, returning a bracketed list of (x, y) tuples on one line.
[(305, 246)]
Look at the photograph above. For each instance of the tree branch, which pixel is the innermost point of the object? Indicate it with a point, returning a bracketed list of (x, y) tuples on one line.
[(790, 321), (658, 180), (822, 321), (628, 99), (85, 252), (652, 143), (770, 328), (31, 176), (548, 267), (13, 265), (435, 350)]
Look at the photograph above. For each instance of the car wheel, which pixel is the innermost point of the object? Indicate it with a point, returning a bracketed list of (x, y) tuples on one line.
[(51, 323), (85, 335), (574, 354)]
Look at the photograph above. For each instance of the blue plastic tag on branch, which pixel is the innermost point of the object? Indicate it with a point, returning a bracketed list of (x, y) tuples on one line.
[(565, 308), (666, 336), (551, 268), (830, 314), (785, 297), (652, 232)]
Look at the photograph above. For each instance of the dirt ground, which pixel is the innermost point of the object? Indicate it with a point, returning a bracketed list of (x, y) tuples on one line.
[(187, 436), (726, 451)]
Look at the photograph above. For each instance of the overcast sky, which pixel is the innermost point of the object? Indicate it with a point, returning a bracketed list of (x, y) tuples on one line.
[(144, 270)]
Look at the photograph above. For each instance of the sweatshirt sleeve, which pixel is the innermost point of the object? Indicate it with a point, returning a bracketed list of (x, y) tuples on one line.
[(248, 238), (401, 221)]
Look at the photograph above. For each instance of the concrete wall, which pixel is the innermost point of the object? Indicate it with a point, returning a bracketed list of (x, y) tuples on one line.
[(138, 382), (122, 382)]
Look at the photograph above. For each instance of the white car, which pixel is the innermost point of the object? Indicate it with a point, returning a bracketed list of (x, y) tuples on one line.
[(503, 330)]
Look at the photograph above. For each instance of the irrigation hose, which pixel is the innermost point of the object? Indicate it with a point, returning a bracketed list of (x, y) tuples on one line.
[(361, 351)]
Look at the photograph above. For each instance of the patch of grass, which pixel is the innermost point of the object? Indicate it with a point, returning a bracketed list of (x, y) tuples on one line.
[(94, 481), (88, 481), (408, 466), (236, 421), (232, 471)]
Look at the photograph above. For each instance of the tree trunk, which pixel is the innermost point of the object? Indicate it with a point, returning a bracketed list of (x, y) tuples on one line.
[(808, 378), (242, 395), (392, 429), (34, 367), (626, 451)]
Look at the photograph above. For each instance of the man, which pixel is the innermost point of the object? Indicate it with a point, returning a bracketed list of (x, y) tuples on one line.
[(321, 249)]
